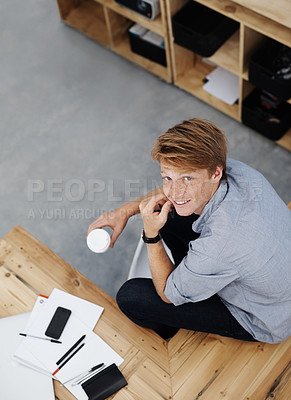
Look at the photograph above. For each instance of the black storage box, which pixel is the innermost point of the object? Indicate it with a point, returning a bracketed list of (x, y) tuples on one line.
[(270, 69), (148, 45), (200, 29), (272, 123)]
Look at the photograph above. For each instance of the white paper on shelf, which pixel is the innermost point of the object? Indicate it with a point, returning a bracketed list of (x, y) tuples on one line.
[(138, 30), (147, 35), (154, 38), (223, 84)]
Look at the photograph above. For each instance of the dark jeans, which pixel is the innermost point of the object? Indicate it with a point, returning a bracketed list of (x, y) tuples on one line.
[(139, 301)]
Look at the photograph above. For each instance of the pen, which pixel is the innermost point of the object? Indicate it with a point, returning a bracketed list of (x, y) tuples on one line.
[(83, 373), (89, 375), (70, 349), (38, 337), (68, 359)]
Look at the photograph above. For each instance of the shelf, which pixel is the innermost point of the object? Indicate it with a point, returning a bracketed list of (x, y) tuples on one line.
[(281, 13), (246, 16), (108, 22), (227, 56), (191, 79), (88, 17), (122, 47), (234, 55), (154, 25)]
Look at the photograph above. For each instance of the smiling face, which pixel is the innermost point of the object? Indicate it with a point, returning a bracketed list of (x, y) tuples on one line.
[(189, 192)]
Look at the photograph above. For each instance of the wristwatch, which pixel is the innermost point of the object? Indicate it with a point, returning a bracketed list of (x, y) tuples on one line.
[(147, 240)]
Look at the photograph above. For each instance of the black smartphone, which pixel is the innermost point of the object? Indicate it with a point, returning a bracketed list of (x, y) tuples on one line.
[(58, 322)]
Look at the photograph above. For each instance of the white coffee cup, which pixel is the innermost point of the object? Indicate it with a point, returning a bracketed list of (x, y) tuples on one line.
[(98, 240)]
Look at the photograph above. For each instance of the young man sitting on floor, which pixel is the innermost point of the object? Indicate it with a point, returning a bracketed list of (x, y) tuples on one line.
[(230, 236)]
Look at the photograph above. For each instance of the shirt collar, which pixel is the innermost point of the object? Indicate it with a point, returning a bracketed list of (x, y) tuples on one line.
[(211, 206)]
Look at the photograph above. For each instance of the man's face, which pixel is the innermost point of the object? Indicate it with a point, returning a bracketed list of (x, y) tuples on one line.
[(189, 192)]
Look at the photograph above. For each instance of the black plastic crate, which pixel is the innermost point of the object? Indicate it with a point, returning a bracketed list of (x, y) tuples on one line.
[(147, 49), (270, 122), (200, 29), (270, 69)]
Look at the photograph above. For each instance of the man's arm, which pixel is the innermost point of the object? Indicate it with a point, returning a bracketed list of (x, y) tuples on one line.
[(160, 263), (161, 267), (117, 219)]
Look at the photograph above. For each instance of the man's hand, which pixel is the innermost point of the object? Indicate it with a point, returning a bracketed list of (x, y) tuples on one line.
[(154, 220), (116, 220)]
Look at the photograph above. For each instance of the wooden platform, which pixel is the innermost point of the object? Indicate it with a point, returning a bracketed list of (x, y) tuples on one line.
[(191, 366)]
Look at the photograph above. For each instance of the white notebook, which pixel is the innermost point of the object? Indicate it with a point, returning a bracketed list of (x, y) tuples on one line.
[(18, 381), (42, 313)]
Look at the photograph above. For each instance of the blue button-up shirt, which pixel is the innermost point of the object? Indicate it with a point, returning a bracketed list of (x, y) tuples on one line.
[(243, 254)]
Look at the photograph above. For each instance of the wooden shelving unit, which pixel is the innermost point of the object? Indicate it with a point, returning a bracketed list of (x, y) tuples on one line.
[(107, 22), (190, 70)]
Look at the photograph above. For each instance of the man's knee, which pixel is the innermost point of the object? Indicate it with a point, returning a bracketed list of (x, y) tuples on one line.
[(134, 294), (126, 292), (129, 292)]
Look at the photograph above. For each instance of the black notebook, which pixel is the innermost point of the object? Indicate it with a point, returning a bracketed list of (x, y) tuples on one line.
[(105, 383)]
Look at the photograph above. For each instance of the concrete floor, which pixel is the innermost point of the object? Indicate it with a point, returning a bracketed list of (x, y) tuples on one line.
[(77, 126)]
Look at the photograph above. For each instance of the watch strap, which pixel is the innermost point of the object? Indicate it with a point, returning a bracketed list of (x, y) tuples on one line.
[(147, 240)]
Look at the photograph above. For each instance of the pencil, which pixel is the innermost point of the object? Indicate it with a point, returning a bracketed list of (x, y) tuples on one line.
[(70, 349), (68, 359)]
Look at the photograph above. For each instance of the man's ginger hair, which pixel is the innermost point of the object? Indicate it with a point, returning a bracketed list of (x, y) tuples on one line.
[(193, 144)]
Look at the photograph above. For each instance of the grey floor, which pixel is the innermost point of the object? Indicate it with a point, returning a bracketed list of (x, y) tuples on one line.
[(77, 125)]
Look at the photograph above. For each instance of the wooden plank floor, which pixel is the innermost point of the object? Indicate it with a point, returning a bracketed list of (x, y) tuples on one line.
[(192, 366)]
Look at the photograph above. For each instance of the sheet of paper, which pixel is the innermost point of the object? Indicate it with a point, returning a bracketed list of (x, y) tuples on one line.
[(223, 84), (18, 381), (22, 354), (87, 312)]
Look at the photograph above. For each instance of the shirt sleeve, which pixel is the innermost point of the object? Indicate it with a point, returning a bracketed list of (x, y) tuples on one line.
[(197, 278)]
